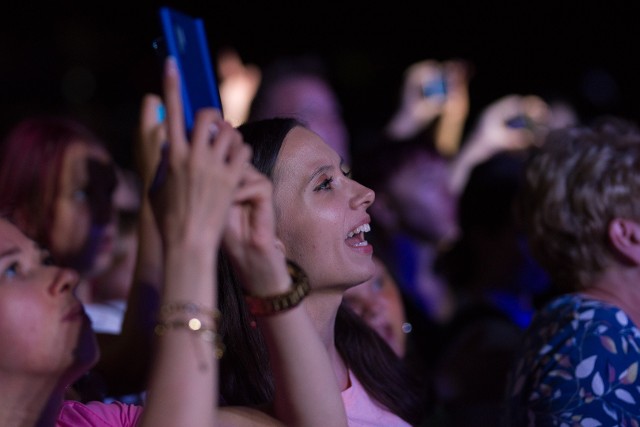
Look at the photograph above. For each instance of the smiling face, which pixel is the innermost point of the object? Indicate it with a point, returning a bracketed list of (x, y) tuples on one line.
[(43, 328), (321, 212)]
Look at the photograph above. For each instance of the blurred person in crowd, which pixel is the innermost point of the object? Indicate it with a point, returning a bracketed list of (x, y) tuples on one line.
[(579, 357), (56, 183), (238, 84), (300, 87), (379, 302), (512, 122), (110, 289), (433, 100), (413, 218), (497, 285)]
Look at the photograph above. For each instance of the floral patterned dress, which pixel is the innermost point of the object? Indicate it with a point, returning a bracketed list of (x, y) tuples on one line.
[(578, 367)]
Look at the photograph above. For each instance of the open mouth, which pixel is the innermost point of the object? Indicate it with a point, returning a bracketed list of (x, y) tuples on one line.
[(356, 236)]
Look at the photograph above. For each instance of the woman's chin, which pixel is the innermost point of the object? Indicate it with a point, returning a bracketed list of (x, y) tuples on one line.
[(87, 352), (85, 355)]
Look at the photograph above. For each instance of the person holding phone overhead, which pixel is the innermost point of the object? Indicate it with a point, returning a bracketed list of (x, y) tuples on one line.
[(194, 223), (186, 41)]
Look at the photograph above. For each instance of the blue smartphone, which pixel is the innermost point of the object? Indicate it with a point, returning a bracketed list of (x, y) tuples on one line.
[(437, 87), (185, 39), (520, 121)]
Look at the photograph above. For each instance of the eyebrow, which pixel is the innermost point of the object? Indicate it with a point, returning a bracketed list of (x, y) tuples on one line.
[(9, 252), (16, 250), (323, 169), (320, 170)]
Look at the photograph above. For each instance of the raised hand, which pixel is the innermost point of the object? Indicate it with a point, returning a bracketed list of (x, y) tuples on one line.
[(238, 85), (250, 237), (202, 174)]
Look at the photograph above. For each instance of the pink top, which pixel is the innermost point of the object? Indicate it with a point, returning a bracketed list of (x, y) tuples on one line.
[(362, 411), (98, 414)]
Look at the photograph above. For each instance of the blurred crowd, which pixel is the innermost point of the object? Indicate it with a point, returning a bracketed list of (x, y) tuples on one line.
[(452, 272)]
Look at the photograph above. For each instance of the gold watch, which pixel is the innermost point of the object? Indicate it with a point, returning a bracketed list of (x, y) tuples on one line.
[(264, 306)]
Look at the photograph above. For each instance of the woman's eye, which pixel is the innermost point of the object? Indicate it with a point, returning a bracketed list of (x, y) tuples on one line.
[(347, 173), (325, 185), (12, 270), (47, 259)]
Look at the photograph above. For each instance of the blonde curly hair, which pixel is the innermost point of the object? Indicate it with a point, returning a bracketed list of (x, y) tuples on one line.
[(575, 184)]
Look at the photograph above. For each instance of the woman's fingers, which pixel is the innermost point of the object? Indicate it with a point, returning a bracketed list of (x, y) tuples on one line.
[(253, 217), (218, 148), (173, 101), (151, 136), (148, 113)]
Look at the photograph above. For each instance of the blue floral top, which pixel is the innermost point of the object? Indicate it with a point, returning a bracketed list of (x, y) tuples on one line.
[(578, 367)]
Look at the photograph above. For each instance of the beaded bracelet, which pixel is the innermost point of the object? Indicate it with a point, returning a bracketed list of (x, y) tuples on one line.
[(194, 325), (264, 306), (192, 322), (189, 309)]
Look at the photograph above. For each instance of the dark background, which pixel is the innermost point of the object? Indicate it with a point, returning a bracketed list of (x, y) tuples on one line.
[(94, 59)]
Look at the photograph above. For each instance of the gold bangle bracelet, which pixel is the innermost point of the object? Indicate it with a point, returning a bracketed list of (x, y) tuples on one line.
[(188, 308), (264, 306), (194, 325)]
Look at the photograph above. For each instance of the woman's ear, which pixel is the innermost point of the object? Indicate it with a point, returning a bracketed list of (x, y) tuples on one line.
[(624, 236)]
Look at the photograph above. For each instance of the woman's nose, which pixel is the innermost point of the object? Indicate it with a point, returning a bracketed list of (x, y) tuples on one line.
[(65, 280), (364, 196)]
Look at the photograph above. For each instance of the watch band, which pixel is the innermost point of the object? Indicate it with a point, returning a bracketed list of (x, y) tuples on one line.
[(264, 306)]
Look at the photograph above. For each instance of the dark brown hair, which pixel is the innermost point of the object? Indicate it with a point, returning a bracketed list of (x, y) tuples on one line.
[(245, 375)]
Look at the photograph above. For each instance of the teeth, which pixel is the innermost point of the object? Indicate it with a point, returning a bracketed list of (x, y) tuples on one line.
[(364, 228)]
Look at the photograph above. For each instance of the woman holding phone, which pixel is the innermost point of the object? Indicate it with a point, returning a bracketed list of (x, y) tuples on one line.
[(50, 344)]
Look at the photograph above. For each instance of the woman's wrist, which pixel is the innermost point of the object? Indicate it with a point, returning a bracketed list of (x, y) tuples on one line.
[(298, 289)]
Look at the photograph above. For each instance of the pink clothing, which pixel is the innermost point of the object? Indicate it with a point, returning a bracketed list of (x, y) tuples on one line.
[(98, 414), (362, 411)]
